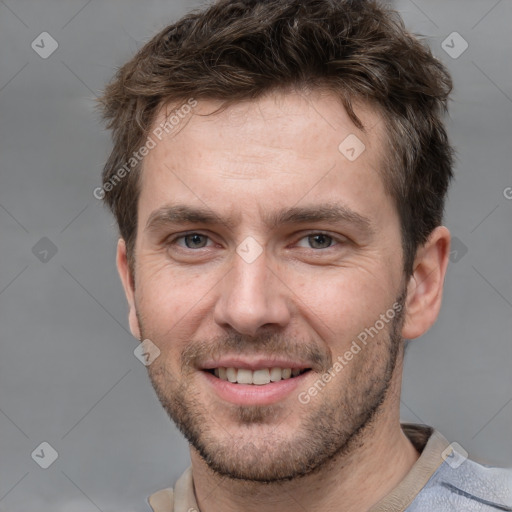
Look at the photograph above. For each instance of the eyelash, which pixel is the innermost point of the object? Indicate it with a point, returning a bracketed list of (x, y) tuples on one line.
[(334, 239)]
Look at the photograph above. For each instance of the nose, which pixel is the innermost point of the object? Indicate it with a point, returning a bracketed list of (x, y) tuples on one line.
[(251, 297)]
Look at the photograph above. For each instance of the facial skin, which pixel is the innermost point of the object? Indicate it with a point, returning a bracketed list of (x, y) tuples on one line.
[(304, 299)]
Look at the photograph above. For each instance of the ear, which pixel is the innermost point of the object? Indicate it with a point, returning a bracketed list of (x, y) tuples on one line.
[(127, 279), (425, 287)]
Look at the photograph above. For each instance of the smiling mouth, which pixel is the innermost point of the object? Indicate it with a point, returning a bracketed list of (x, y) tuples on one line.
[(256, 377)]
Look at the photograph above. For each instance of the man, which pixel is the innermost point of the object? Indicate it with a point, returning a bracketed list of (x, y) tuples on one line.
[(278, 176)]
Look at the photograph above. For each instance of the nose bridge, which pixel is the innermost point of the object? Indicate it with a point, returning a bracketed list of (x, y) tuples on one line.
[(250, 296)]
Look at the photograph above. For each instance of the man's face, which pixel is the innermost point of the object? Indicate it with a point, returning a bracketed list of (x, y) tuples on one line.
[(258, 289)]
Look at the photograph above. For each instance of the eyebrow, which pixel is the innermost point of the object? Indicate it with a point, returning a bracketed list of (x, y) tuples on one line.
[(330, 212)]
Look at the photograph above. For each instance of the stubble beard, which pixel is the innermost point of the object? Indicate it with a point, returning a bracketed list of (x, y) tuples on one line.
[(332, 425)]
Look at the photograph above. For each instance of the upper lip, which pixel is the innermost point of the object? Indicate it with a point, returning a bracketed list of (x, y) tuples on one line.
[(255, 363)]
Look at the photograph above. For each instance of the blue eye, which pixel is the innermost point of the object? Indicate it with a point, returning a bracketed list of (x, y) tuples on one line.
[(316, 241), (320, 240), (193, 240)]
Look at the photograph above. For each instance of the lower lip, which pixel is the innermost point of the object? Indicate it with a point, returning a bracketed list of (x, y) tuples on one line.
[(252, 394)]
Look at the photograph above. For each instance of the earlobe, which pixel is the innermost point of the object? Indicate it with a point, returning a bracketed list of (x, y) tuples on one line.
[(125, 274), (425, 287)]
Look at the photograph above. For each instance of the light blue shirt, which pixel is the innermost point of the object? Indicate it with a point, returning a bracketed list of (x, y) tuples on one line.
[(462, 484)]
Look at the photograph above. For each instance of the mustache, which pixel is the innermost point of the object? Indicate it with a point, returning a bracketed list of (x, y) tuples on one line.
[(266, 345)]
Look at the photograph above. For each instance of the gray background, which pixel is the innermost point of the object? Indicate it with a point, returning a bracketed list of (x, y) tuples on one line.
[(68, 375)]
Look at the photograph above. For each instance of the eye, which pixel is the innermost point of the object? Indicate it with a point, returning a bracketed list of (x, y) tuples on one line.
[(319, 240), (191, 240), (316, 241)]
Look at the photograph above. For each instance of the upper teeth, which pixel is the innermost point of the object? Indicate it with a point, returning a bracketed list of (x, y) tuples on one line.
[(258, 377)]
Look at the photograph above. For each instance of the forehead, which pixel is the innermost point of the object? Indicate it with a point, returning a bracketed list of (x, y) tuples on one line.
[(281, 146), (290, 120)]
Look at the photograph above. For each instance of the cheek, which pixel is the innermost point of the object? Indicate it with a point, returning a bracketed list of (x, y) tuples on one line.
[(342, 303), (170, 301)]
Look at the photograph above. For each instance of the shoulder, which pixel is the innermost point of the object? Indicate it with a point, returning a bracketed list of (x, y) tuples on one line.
[(463, 484)]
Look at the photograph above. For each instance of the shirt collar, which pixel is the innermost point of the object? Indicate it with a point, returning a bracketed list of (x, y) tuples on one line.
[(428, 441)]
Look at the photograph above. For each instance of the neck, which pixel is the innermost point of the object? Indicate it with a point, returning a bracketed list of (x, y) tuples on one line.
[(377, 460)]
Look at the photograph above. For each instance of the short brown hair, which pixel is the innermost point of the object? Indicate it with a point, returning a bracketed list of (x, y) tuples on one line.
[(238, 50)]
